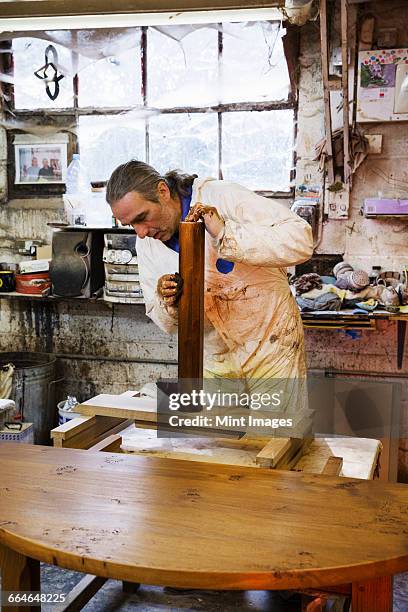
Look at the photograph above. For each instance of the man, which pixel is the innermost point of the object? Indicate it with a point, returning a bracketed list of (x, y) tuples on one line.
[(33, 170), (253, 330), (46, 171)]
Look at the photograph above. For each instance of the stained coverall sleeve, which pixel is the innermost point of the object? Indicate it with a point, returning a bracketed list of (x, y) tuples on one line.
[(151, 268), (262, 232), (165, 317)]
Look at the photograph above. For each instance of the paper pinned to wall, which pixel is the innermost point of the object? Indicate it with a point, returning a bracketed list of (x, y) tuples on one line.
[(382, 93), (401, 89)]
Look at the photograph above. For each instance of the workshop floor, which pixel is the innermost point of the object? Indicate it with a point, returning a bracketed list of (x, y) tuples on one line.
[(155, 599)]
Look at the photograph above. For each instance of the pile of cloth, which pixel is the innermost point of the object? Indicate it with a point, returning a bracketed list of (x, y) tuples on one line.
[(347, 288)]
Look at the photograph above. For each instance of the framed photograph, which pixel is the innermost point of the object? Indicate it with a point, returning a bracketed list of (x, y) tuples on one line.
[(38, 163)]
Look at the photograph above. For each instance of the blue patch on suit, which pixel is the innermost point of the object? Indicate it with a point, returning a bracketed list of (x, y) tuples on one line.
[(224, 266)]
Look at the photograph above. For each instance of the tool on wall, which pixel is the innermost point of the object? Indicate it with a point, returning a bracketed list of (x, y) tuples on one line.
[(49, 73)]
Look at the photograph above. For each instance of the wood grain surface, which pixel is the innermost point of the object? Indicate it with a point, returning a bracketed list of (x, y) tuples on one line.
[(186, 524), (120, 406), (191, 303)]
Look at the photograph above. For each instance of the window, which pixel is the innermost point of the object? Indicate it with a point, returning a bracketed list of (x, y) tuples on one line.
[(213, 99)]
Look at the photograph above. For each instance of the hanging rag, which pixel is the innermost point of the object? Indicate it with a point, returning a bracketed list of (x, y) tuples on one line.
[(358, 150), (6, 380)]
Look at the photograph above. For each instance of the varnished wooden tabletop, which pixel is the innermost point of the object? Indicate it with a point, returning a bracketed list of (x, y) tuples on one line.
[(169, 522)]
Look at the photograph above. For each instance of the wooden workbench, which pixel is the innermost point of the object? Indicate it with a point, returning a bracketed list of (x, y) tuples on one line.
[(199, 525), (107, 424)]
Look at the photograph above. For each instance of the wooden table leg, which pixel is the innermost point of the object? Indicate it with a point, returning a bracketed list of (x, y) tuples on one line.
[(372, 595), (130, 587), (401, 332), (18, 573)]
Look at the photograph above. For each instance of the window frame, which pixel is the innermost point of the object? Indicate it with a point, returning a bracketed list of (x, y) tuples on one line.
[(65, 117)]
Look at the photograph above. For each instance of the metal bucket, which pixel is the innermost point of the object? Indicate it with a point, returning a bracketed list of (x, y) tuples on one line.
[(33, 390)]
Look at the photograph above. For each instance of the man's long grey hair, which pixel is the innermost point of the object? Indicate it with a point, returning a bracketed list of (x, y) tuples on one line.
[(140, 177)]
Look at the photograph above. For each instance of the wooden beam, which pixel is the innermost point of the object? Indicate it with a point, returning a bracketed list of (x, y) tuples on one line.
[(120, 407), (86, 432), (79, 596), (326, 89), (50, 8), (111, 444), (401, 333), (345, 89), (191, 304), (71, 428)]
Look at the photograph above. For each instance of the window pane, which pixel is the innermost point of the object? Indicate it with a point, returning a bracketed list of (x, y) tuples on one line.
[(253, 66), (187, 142), (182, 73), (114, 80), (106, 142), (257, 148), (29, 90)]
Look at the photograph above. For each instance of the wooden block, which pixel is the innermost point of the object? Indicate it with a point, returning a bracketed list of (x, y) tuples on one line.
[(123, 406), (273, 452), (281, 450), (294, 453), (88, 433), (360, 456), (71, 428), (111, 444), (191, 303), (333, 466)]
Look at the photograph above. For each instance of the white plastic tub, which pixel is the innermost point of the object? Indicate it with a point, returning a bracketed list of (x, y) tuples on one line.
[(65, 415)]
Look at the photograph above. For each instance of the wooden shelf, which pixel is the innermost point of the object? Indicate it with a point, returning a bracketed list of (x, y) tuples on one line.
[(13, 295), (90, 228)]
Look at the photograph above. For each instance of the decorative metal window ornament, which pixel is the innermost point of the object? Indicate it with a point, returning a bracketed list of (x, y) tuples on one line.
[(49, 73)]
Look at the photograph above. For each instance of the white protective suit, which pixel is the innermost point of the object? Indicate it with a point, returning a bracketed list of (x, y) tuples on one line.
[(253, 328)]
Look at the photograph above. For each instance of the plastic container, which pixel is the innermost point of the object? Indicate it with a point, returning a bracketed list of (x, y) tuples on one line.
[(307, 210), (98, 211), (65, 415), (23, 436), (33, 284), (77, 191), (33, 390), (77, 180), (7, 281)]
